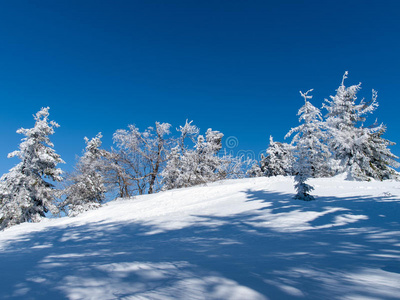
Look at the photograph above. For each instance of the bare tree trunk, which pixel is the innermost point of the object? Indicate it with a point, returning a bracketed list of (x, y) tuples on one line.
[(153, 176)]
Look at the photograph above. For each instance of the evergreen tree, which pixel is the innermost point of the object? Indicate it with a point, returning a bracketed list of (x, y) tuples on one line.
[(303, 173), (279, 159), (380, 157), (87, 185), (304, 142), (255, 169), (25, 194), (311, 133), (354, 146)]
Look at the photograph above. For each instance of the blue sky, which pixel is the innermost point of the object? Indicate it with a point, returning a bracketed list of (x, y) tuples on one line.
[(234, 66)]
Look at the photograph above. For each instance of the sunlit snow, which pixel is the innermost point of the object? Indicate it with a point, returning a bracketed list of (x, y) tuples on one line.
[(236, 239)]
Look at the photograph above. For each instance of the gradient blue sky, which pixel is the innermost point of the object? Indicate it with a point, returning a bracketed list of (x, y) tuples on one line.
[(234, 66)]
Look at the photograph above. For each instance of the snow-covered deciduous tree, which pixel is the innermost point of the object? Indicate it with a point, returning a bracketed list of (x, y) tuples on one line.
[(27, 192), (201, 164), (206, 156), (188, 131), (311, 133), (188, 167), (116, 173), (86, 189), (179, 164), (352, 144), (233, 167), (139, 158), (172, 173)]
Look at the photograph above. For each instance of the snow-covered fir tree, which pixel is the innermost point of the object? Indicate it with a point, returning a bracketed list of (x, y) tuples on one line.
[(303, 143), (352, 144), (311, 133), (86, 189), (381, 159), (303, 173), (255, 169), (27, 192), (278, 161)]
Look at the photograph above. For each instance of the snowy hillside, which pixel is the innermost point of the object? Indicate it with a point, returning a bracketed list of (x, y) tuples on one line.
[(238, 239)]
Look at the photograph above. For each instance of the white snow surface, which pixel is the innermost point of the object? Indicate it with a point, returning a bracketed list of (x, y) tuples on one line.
[(237, 239)]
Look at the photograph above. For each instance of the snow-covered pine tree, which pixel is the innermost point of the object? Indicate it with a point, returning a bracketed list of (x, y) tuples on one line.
[(25, 194), (304, 143), (354, 146), (381, 159), (255, 169), (279, 159), (303, 173), (311, 132), (87, 188)]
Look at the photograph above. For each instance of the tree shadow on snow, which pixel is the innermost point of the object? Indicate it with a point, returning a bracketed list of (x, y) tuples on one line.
[(287, 250)]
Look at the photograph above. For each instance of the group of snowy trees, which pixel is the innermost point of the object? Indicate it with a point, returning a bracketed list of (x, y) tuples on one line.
[(200, 164), (150, 161), (144, 162), (141, 162), (340, 143)]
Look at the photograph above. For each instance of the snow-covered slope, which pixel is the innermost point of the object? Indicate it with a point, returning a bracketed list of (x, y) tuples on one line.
[(238, 239)]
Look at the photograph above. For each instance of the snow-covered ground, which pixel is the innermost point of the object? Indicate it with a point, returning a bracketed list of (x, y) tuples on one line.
[(238, 239)]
